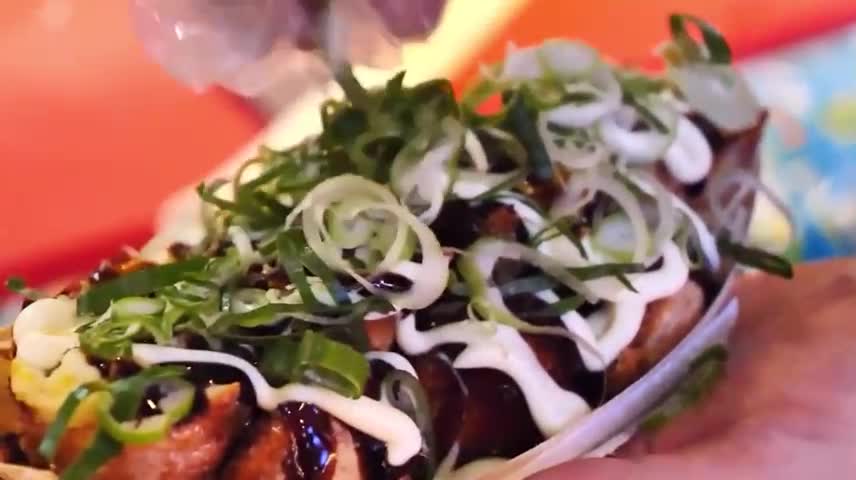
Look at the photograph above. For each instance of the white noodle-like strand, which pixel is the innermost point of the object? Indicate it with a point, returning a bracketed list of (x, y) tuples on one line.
[(689, 158)]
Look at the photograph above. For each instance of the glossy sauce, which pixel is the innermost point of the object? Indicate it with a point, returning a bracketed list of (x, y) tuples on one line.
[(461, 222), (205, 375), (501, 347), (392, 282), (397, 431), (459, 399), (314, 454)]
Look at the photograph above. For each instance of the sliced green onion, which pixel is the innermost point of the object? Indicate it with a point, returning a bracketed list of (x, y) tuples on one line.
[(244, 205), (126, 394), (327, 276), (96, 300), (244, 300), (425, 169), (523, 123), (112, 337), (290, 245), (274, 312), (533, 284), (606, 270), (175, 405), (102, 448), (53, 435), (404, 392), (501, 187), (636, 84), (394, 90), (755, 258), (171, 317), (432, 270), (277, 361), (330, 364), (490, 310), (18, 286), (354, 91), (563, 226), (646, 114), (704, 372), (718, 50), (563, 306), (617, 270), (194, 295), (476, 267), (137, 306), (615, 236), (435, 98)]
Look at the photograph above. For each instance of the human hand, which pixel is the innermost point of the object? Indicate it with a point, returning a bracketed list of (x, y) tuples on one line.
[(246, 45), (786, 408)]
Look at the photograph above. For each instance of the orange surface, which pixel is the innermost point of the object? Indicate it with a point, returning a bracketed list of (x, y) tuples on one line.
[(92, 134)]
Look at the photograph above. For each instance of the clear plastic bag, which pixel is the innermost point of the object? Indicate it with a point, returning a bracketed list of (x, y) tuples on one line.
[(248, 45)]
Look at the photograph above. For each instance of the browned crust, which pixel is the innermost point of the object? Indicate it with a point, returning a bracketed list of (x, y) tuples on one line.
[(667, 321), (193, 450), (262, 458), (381, 331), (19, 472), (273, 440)]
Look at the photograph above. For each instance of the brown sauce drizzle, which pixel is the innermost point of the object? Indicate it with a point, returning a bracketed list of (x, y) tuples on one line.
[(461, 222), (371, 451), (260, 277), (488, 415), (314, 455)]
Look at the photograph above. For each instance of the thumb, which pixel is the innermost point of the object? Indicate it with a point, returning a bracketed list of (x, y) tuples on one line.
[(652, 467)]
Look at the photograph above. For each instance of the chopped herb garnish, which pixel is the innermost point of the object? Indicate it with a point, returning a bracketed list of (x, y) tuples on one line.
[(124, 398), (606, 270), (18, 286), (521, 121), (404, 392), (563, 306), (755, 258), (317, 360), (703, 375), (646, 114), (717, 48), (96, 300), (578, 98)]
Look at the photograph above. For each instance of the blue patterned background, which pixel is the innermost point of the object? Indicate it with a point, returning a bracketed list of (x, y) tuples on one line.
[(809, 149)]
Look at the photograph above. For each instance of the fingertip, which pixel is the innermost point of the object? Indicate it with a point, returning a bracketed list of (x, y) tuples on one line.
[(410, 20)]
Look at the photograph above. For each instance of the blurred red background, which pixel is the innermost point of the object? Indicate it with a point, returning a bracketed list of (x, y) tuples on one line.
[(93, 135)]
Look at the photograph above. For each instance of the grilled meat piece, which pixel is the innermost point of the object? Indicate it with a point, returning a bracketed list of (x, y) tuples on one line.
[(192, 450), (667, 321)]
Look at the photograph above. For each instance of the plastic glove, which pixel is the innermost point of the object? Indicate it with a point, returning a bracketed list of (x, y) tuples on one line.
[(247, 45)]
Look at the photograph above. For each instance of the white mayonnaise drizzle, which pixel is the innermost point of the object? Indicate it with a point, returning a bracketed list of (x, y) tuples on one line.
[(689, 158), (706, 241), (502, 348), (44, 332), (650, 286), (607, 331), (612, 328), (402, 437), (394, 360)]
